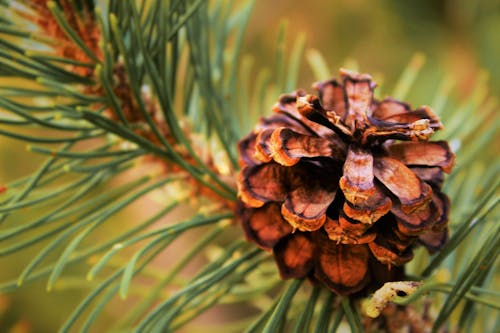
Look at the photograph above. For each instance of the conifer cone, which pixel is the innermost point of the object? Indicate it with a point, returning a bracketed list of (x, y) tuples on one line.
[(342, 187)]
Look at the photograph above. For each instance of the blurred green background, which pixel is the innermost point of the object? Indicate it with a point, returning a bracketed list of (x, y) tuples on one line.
[(459, 39)]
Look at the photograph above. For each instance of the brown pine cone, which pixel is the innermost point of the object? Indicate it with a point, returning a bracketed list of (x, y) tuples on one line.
[(342, 187)]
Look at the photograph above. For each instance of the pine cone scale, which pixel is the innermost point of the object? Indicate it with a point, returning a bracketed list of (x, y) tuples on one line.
[(432, 154), (402, 182), (265, 226), (344, 269), (294, 255)]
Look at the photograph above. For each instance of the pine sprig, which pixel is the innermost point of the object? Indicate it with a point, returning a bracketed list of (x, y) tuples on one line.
[(81, 112)]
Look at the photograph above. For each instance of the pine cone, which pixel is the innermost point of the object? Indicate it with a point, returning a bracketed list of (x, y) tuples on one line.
[(343, 187)]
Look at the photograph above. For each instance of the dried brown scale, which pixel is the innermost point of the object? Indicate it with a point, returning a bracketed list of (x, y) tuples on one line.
[(357, 180)]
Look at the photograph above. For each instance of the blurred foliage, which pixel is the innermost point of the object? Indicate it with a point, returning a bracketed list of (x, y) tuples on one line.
[(457, 37)]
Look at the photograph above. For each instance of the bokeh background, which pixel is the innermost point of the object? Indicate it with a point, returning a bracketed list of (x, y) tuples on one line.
[(459, 38)]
